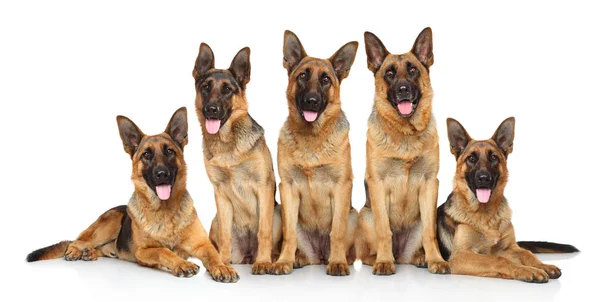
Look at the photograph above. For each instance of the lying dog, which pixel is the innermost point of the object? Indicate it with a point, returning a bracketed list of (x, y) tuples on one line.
[(474, 228), (159, 227)]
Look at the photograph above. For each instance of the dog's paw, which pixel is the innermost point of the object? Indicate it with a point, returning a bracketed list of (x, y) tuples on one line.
[(224, 273), (281, 268), (301, 261), (552, 271), (89, 254), (531, 274), (438, 267), (419, 261), (338, 269), (384, 268), (73, 253), (261, 268), (185, 269)]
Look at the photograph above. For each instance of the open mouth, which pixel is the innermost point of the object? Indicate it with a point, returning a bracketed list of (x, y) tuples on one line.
[(213, 125), (310, 116), (483, 194), (163, 191), (407, 107)]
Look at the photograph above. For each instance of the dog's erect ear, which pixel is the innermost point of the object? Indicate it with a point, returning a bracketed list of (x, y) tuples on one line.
[(177, 128), (343, 59), (505, 135), (423, 47), (130, 134), (293, 52), (376, 51), (240, 67), (458, 137), (204, 62)]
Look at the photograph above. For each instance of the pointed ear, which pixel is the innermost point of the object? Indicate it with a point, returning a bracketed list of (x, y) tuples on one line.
[(343, 59), (458, 137), (240, 67), (423, 47), (376, 51), (293, 52), (130, 134), (177, 128), (505, 135), (204, 62)]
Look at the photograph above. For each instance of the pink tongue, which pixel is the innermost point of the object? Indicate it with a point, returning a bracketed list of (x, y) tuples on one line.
[(163, 191), (483, 195), (212, 126), (405, 107), (310, 116)]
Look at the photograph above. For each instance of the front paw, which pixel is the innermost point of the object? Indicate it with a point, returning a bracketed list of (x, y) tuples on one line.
[(552, 271), (384, 268), (338, 269), (438, 267), (73, 253), (531, 274), (185, 269), (281, 268), (261, 268), (224, 273)]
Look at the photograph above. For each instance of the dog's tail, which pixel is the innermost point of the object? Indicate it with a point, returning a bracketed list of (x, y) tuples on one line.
[(544, 247), (50, 252)]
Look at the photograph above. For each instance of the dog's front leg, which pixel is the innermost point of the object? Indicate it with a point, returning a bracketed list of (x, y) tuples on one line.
[(266, 203), (384, 263), (338, 264), (225, 220), (198, 245), (163, 257), (289, 203), (428, 207)]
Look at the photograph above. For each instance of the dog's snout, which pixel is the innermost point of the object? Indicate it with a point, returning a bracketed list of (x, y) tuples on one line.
[(403, 88), (484, 178), (212, 111), (161, 174), (311, 102)]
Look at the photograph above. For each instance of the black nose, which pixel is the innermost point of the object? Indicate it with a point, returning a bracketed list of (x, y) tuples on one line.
[(484, 178), (312, 101), (403, 89), (161, 174), (212, 109)]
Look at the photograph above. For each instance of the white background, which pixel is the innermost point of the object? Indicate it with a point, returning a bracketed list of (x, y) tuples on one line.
[(68, 68)]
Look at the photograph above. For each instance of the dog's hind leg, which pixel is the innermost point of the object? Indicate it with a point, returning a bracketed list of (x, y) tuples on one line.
[(105, 229), (364, 243)]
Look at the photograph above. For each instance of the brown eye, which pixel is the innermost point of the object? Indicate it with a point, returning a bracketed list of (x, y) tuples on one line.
[(413, 69), (494, 157), (147, 155), (389, 74), (472, 159), (302, 75), (170, 151), (205, 87), (227, 89), (326, 80)]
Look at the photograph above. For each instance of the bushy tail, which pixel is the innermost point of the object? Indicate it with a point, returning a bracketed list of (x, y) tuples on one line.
[(543, 247), (50, 252)]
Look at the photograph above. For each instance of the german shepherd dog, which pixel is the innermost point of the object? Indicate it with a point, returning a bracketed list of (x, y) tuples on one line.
[(247, 227), (474, 228), (398, 219), (159, 227), (313, 158)]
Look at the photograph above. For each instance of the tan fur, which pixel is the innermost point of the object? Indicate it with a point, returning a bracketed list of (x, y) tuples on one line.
[(163, 233), (316, 179), (239, 165), (484, 241), (401, 175)]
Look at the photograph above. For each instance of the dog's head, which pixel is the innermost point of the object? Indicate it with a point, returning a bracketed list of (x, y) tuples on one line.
[(402, 82), (481, 164), (220, 94), (158, 163), (314, 84)]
